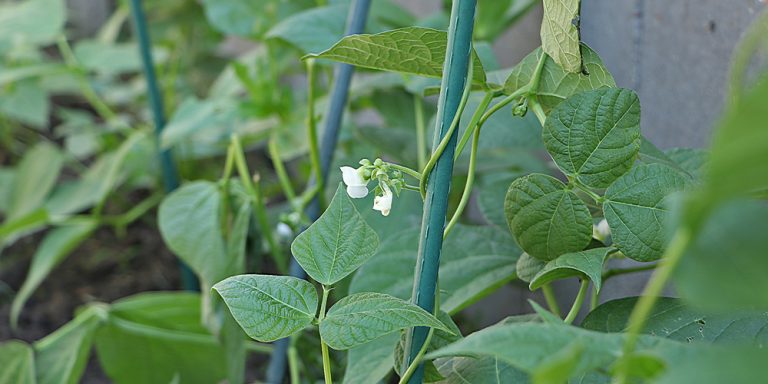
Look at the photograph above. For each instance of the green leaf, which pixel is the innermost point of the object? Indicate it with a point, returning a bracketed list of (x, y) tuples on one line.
[(651, 154), (113, 58), (53, 249), (247, 18), (546, 220), (7, 175), (636, 209), (156, 337), (587, 263), (475, 261), (62, 355), (194, 115), (559, 367), (36, 175), (673, 319), (528, 267), (18, 362), (33, 22), (413, 50), (439, 339), (27, 102), (313, 30), (372, 361), (725, 365), (594, 136), (485, 370), (495, 17), (10, 231), (557, 84), (692, 160), (560, 33), (269, 307), (189, 223), (724, 267), (362, 317), (337, 244)]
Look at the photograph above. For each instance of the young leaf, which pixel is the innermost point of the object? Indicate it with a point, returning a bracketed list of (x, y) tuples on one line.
[(672, 319), (61, 356), (587, 263), (414, 50), (36, 175), (269, 307), (362, 317), (730, 248), (546, 220), (56, 246), (337, 244), (556, 84), (528, 266), (560, 33), (18, 362), (635, 208), (594, 136)]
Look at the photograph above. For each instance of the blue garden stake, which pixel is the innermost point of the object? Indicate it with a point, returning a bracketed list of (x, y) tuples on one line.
[(170, 175), (342, 78), (457, 57)]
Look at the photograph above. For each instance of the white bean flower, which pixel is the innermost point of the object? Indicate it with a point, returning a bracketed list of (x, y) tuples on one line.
[(383, 203), (357, 187), (601, 231)]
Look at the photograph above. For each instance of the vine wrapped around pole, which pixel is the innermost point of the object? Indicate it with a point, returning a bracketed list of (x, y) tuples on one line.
[(455, 75)]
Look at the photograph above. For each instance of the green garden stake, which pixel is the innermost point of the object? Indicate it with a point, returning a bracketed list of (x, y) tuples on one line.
[(168, 168), (455, 76)]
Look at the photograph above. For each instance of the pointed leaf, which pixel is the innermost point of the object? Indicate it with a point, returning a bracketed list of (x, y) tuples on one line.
[(63, 354), (594, 136), (269, 307), (587, 263), (36, 175), (560, 33), (636, 209), (556, 84), (546, 220), (54, 248), (414, 50), (18, 362), (362, 317), (337, 244)]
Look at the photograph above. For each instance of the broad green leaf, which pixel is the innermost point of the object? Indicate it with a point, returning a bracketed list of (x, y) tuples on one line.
[(494, 17), (528, 267), (27, 102), (587, 263), (269, 307), (36, 175), (154, 337), (594, 136), (651, 154), (372, 361), (313, 30), (31, 222), (247, 18), (724, 267), (475, 261), (636, 209), (31, 22), (724, 365), (672, 319), (439, 339), (18, 362), (113, 59), (337, 244), (54, 248), (485, 370), (558, 368), (189, 223), (413, 50), (61, 356), (545, 218), (557, 84), (194, 115), (692, 160), (560, 33), (363, 317)]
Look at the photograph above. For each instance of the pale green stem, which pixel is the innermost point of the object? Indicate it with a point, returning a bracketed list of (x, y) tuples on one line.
[(421, 131), (578, 302), (282, 175), (537, 110), (417, 360), (293, 361), (549, 296), (595, 299), (406, 170), (622, 271), (314, 151), (474, 124), (647, 300), (323, 346), (467, 186), (85, 86)]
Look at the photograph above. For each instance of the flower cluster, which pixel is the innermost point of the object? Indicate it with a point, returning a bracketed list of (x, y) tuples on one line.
[(389, 181)]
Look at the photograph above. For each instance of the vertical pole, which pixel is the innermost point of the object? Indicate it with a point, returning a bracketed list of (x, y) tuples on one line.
[(342, 77), (457, 57), (168, 168)]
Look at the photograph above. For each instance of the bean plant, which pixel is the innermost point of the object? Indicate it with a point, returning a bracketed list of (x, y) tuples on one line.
[(551, 154)]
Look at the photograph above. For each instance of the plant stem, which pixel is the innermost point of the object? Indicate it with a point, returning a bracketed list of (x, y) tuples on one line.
[(549, 296), (314, 149), (282, 175), (293, 361), (534, 83), (537, 110), (259, 207), (645, 303), (594, 196), (85, 86), (623, 271), (474, 124), (583, 288), (406, 170), (417, 360), (447, 138), (323, 346), (595, 299), (520, 92), (467, 186), (421, 131)]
